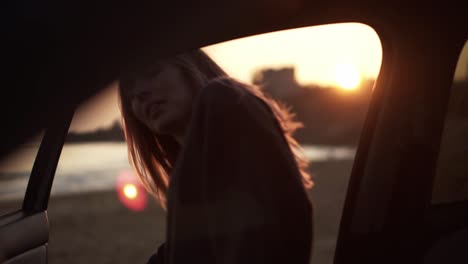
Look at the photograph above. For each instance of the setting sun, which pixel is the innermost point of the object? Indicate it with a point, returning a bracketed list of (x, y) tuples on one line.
[(347, 76), (130, 191)]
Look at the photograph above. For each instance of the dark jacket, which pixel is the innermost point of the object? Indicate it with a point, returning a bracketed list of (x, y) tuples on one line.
[(236, 194)]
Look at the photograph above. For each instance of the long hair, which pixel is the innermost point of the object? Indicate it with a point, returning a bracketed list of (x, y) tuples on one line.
[(153, 156)]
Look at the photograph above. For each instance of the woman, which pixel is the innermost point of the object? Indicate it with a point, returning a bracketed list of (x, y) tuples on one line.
[(219, 155)]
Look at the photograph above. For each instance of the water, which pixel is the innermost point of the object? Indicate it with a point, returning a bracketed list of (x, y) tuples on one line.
[(95, 166)]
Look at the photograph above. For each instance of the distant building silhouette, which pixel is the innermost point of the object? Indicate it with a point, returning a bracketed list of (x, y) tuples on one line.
[(330, 116), (279, 83)]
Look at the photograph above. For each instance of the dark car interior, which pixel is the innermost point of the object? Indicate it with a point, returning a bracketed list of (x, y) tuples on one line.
[(58, 54)]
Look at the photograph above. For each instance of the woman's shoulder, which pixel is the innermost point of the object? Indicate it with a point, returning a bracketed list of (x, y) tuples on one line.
[(222, 92), (229, 97)]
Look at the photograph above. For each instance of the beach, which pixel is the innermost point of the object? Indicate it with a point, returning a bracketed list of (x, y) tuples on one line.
[(95, 227)]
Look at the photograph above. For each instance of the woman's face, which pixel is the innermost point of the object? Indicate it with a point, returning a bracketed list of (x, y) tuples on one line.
[(162, 100)]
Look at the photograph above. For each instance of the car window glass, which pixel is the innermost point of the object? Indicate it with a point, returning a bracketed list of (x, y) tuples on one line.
[(325, 74), (451, 182), (15, 170)]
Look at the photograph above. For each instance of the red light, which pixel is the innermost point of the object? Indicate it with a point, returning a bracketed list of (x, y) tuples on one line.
[(130, 192)]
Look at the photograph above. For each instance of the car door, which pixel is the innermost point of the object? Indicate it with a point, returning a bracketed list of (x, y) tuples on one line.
[(24, 233)]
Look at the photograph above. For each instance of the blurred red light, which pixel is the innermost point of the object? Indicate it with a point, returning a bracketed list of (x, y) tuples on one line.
[(130, 191)]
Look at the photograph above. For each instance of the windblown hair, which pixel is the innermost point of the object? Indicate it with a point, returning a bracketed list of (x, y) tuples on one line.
[(153, 156)]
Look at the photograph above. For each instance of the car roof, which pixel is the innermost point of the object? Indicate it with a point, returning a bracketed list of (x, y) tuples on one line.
[(59, 53)]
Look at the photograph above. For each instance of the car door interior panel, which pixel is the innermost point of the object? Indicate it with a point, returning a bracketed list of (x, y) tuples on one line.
[(22, 236)]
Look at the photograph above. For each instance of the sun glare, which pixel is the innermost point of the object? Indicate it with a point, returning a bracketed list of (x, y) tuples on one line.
[(347, 76), (130, 191)]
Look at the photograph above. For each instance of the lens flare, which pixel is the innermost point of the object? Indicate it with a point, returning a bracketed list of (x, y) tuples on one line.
[(130, 191)]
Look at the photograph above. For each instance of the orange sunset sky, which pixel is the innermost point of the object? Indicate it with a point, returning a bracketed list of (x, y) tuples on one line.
[(330, 55)]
